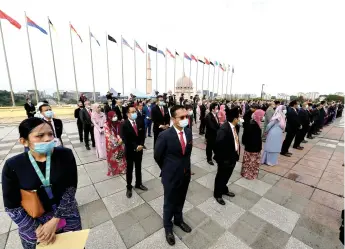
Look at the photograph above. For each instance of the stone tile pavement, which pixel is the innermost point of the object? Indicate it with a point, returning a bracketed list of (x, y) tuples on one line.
[(294, 205)]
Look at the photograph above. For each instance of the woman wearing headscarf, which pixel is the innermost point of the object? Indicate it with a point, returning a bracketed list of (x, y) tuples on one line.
[(45, 176), (253, 146), (98, 119), (274, 137), (221, 114), (115, 149)]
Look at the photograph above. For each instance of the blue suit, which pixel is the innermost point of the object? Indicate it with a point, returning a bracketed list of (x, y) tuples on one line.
[(175, 172), (148, 120)]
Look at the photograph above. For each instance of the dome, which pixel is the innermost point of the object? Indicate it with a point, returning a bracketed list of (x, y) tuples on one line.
[(184, 82)]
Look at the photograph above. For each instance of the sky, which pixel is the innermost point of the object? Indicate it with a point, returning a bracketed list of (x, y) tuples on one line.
[(290, 46)]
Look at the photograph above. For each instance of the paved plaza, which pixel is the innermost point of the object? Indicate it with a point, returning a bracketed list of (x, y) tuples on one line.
[(294, 205)]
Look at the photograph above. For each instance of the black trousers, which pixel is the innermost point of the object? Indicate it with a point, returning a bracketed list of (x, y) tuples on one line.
[(290, 135), (155, 136), (224, 173), (202, 125), (88, 129), (174, 199), (80, 131), (210, 148), (134, 158), (299, 137)]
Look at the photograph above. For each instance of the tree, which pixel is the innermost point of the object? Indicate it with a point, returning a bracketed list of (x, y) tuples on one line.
[(6, 100), (332, 97)]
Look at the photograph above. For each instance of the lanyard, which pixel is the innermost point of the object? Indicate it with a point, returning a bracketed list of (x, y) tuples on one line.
[(45, 180)]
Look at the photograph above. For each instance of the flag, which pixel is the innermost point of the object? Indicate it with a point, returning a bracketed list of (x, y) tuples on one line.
[(233, 71), (110, 38), (211, 63), (95, 39), (207, 61), (216, 63), (51, 24), (73, 29), (34, 25), (176, 53), (161, 52), (201, 61), (221, 67), (8, 18), (187, 57), (229, 68), (168, 51), (152, 48), (124, 42), (193, 58), (137, 46)]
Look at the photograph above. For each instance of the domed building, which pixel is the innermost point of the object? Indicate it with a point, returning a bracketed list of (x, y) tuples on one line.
[(184, 85)]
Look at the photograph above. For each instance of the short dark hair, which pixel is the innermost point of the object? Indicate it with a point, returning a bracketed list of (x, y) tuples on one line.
[(41, 106), (174, 109), (188, 107), (323, 102), (277, 102), (310, 104), (159, 96), (129, 106), (292, 103), (27, 125), (213, 106)]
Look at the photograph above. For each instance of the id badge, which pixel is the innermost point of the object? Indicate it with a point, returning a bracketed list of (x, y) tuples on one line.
[(49, 192), (57, 142)]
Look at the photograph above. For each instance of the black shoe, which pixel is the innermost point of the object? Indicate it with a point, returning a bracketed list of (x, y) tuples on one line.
[(230, 194), (220, 201), (285, 154), (184, 227), (169, 236), (150, 136), (299, 148), (88, 148), (129, 193), (289, 153), (81, 141), (142, 187), (304, 141), (210, 163), (93, 146)]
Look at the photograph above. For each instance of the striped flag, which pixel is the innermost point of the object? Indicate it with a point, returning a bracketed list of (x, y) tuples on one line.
[(75, 31), (3, 15), (124, 42), (168, 51), (160, 52), (95, 39), (187, 57), (31, 23), (193, 58), (207, 61), (137, 46)]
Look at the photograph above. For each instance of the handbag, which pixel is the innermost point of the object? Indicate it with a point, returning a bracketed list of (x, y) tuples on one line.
[(31, 203), (119, 155)]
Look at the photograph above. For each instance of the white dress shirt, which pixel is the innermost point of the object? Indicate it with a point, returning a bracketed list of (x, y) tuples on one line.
[(178, 135), (236, 142), (56, 140)]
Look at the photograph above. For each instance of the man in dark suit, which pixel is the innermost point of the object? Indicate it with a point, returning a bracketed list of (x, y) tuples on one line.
[(212, 126), (79, 123), (29, 108), (56, 124), (227, 151), (304, 120), (85, 117), (148, 122), (292, 126), (202, 118), (160, 118), (141, 118), (120, 110), (132, 134), (172, 154), (311, 119)]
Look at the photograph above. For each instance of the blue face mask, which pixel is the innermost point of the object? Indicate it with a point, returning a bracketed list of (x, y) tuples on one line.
[(134, 116), (44, 148), (49, 114), (183, 123), (161, 103)]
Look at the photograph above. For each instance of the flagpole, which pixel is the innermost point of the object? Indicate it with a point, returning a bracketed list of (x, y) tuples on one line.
[(166, 72), (223, 82), (92, 73), (227, 81), (232, 73), (146, 67), (196, 80), (75, 75), (190, 73), (183, 66), (123, 80), (106, 46), (202, 82), (7, 67), (157, 68), (208, 80), (52, 48), (218, 83), (135, 67), (32, 63), (174, 71), (214, 74)]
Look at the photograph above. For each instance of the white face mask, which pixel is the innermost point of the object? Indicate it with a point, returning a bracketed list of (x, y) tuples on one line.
[(284, 111), (114, 119), (216, 111), (190, 113), (183, 123)]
